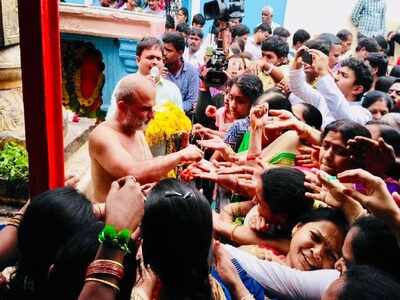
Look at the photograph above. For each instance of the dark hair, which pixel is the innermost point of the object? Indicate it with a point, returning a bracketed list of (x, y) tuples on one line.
[(284, 191), (344, 35), (277, 45), (390, 135), (239, 31), (185, 11), (364, 282), (176, 39), (395, 72), (379, 61), (311, 115), (333, 215), (383, 44), (197, 32), (50, 220), (347, 128), (373, 96), (264, 27), (250, 86), (369, 44), (198, 19), (282, 32), (319, 44), (373, 239), (384, 83), (275, 99), (177, 232), (147, 43), (183, 28), (330, 38), (300, 36), (362, 74), (169, 22)]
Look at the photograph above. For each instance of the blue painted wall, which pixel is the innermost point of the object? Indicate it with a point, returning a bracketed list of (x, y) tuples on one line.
[(115, 67)]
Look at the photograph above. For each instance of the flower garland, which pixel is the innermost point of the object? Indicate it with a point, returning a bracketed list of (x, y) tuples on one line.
[(96, 93), (73, 57), (169, 122)]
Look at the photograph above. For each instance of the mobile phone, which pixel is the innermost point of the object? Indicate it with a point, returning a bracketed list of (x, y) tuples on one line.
[(307, 57)]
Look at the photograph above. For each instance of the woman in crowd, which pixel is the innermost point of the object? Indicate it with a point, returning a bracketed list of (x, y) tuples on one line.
[(177, 234)]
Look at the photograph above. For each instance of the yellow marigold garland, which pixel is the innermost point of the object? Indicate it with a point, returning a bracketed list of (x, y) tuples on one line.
[(169, 120)]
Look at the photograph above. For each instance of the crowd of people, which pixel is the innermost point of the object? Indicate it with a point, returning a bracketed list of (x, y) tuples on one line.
[(288, 187)]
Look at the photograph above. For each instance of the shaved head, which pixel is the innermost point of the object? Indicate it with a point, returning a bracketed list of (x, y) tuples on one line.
[(133, 87), (135, 98)]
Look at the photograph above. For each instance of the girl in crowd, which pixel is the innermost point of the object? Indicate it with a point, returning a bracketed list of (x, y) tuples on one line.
[(378, 103)]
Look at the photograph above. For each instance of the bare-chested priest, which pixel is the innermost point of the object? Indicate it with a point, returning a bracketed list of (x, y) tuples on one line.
[(117, 147)]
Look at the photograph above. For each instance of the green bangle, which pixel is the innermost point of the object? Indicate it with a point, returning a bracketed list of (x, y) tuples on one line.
[(120, 240)]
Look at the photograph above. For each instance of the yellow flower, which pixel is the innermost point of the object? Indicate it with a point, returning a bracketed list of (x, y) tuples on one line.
[(169, 120)]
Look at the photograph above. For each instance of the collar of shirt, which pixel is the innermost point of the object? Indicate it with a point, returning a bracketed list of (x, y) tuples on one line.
[(183, 69)]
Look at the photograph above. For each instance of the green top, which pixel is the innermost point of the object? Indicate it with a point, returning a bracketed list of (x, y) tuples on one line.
[(284, 158), (245, 144)]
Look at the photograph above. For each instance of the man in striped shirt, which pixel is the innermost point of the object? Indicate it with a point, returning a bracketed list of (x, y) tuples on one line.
[(369, 17)]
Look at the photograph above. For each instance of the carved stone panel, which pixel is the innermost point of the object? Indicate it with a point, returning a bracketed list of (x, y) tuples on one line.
[(9, 29)]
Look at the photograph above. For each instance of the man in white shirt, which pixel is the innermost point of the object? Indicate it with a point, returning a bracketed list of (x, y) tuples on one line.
[(341, 94), (149, 55), (253, 44), (153, 7), (267, 14), (194, 53)]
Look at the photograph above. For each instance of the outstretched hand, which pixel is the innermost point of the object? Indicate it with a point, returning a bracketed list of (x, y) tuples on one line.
[(379, 156), (375, 197)]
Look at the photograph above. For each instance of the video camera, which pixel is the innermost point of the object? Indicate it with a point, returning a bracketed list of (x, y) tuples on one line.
[(218, 9), (217, 65)]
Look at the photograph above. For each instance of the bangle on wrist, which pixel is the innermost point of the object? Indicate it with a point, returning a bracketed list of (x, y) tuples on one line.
[(105, 282), (15, 220), (106, 267)]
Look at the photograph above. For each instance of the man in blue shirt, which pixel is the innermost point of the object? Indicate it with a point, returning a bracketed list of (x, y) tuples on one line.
[(183, 74)]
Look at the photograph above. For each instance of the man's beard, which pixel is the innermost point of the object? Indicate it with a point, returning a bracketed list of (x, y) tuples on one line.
[(131, 127)]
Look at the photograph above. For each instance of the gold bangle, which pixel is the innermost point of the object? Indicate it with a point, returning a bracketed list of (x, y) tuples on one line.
[(105, 282), (110, 261), (232, 237)]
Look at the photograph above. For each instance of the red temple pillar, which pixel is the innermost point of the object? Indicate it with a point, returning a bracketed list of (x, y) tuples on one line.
[(41, 77)]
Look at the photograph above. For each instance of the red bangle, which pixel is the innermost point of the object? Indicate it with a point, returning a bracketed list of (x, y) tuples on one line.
[(106, 267)]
